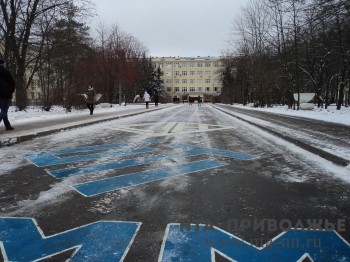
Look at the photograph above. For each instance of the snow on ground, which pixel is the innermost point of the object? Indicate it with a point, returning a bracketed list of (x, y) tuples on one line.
[(317, 162), (13, 156), (317, 139), (35, 114), (331, 114)]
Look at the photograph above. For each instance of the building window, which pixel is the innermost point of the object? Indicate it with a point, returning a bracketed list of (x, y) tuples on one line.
[(177, 89), (207, 81), (169, 81), (168, 89), (199, 81), (192, 73), (184, 65), (192, 65), (199, 73), (168, 73), (184, 89), (216, 89), (176, 73), (216, 64), (200, 89), (160, 65), (207, 73), (192, 89), (168, 65), (199, 65), (184, 81), (216, 81), (207, 64), (216, 72), (208, 89), (176, 81), (176, 65), (192, 81), (184, 73)]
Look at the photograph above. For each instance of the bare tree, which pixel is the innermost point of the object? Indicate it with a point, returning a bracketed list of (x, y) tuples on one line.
[(22, 31), (119, 54)]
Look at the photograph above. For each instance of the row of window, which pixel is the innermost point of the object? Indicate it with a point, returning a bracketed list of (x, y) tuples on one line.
[(193, 73), (191, 81), (190, 64), (193, 89)]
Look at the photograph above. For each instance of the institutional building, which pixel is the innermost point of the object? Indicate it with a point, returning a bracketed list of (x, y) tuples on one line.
[(186, 78)]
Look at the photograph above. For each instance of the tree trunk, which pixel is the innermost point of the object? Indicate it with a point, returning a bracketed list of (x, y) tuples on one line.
[(120, 91), (340, 95), (21, 95)]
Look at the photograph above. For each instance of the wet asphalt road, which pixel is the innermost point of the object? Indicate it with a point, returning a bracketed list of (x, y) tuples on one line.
[(330, 137), (274, 183)]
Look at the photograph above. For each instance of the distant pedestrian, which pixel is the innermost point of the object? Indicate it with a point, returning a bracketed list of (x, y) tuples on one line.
[(156, 98), (199, 101), (147, 98), (190, 101), (7, 88), (90, 99)]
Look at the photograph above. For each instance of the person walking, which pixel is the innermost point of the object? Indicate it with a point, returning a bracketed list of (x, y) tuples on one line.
[(199, 101), (90, 99), (156, 98), (7, 88), (147, 98)]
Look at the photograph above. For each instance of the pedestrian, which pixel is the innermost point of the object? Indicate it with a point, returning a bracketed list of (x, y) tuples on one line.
[(90, 99), (156, 98), (199, 101), (190, 101), (7, 88), (147, 98)]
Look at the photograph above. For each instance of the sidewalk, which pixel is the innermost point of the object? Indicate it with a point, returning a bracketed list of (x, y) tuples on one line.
[(32, 129)]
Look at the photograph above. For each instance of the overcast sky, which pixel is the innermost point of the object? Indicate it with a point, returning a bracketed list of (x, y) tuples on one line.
[(173, 27)]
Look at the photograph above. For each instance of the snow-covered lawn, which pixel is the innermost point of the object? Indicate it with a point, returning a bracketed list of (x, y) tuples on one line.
[(35, 114), (331, 114)]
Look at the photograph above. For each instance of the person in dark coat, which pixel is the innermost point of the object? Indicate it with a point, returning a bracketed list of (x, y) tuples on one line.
[(90, 99), (7, 88), (156, 98), (199, 101)]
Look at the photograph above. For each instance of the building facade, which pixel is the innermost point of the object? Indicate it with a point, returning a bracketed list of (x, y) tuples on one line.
[(186, 78)]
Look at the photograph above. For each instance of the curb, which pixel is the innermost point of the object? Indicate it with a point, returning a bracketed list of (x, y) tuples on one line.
[(23, 138), (328, 156)]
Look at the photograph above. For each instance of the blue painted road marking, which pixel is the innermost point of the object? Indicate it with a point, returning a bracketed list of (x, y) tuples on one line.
[(51, 158), (70, 156), (40, 159), (91, 169), (118, 182), (218, 152), (22, 240), (198, 245)]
